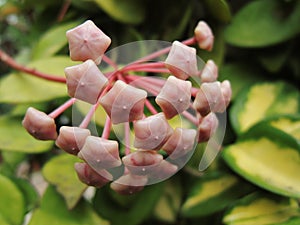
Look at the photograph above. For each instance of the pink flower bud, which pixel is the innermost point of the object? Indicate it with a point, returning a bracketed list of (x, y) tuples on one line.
[(151, 132), (210, 98), (90, 177), (180, 143), (204, 36), (226, 91), (182, 61), (207, 127), (39, 125), (124, 103), (174, 97), (100, 153), (129, 184), (162, 171), (71, 139), (85, 81), (142, 162), (87, 41), (210, 72)]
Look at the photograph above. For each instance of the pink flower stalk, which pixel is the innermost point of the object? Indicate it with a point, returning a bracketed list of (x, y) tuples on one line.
[(174, 97), (210, 72), (152, 132), (72, 139), (142, 162), (39, 124), (182, 61), (124, 103), (87, 41), (180, 143), (207, 127), (129, 184), (85, 81), (90, 177), (204, 36), (100, 153), (210, 97)]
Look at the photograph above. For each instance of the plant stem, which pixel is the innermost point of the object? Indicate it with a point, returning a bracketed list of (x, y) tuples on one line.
[(106, 128), (127, 138), (13, 64), (62, 108)]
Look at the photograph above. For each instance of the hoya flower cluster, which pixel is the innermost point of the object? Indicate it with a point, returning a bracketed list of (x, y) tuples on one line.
[(124, 95)]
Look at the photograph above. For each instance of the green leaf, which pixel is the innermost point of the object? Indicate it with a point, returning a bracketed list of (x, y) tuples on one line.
[(263, 23), (12, 205), (211, 194), (29, 192), (53, 210), (138, 208), (52, 41), (261, 101), (130, 11), (290, 124), (60, 172), (168, 206), (10, 128), (268, 158), (240, 75), (23, 88), (219, 9), (260, 208)]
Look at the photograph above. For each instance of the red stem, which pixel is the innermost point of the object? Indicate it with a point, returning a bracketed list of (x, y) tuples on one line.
[(62, 108), (13, 64), (127, 138), (106, 128)]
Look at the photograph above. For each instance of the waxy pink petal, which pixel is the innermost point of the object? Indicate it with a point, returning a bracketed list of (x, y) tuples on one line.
[(142, 162), (182, 61), (39, 124), (162, 171), (124, 103), (151, 132), (204, 36), (211, 97), (87, 41), (129, 184), (100, 153), (174, 97), (207, 127), (90, 177), (180, 143), (209, 72), (85, 81), (71, 139)]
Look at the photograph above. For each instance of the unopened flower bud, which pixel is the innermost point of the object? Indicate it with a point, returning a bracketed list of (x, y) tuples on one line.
[(182, 61), (226, 91), (204, 36), (152, 132), (129, 184), (210, 98), (174, 97), (180, 143), (124, 103), (142, 162), (71, 139), (162, 171), (207, 127), (209, 72), (85, 81), (39, 124), (87, 41), (100, 153), (90, 177)]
